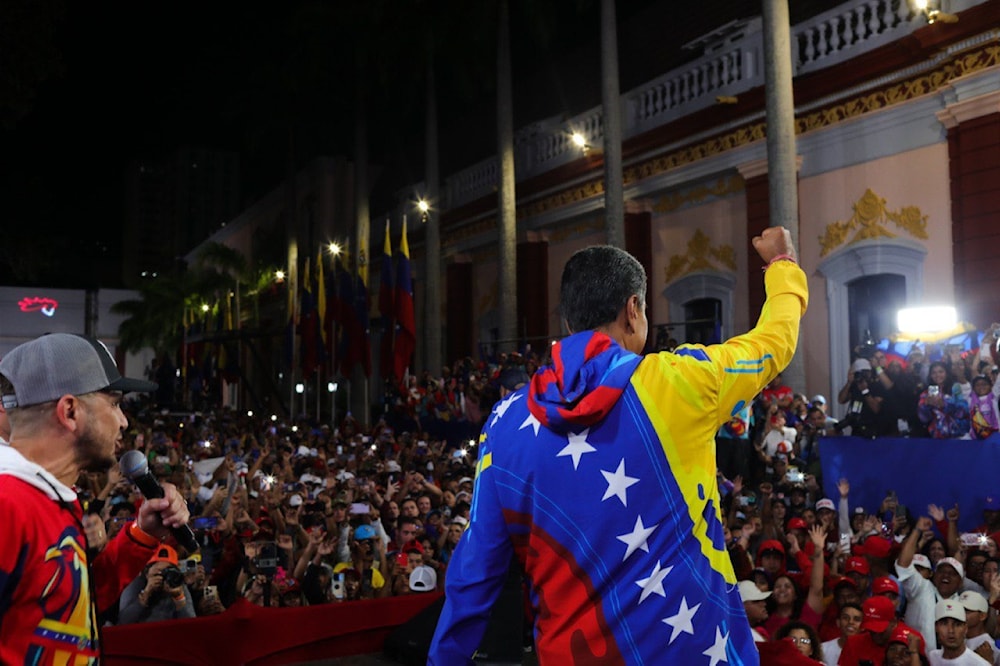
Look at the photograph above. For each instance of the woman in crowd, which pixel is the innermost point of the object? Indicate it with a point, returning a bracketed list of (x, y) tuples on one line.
[(786, 604), (941, 405), (805, 638)]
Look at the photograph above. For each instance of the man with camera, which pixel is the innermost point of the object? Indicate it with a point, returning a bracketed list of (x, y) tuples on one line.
[(158, 593), (863, 396)]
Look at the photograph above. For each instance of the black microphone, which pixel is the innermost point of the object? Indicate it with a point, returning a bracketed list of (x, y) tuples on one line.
[(135, 468)]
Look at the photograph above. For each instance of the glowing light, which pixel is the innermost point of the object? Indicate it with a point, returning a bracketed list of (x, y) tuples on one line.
[(331, 387), (295, 428), (300, 388), (279, 275), (249, 412), (204, 307), (334, 249), (926, 319), (579, 140), (274, 417), (423, 205)]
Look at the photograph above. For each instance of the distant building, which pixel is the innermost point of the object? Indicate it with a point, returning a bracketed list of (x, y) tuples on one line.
[(172, 204)]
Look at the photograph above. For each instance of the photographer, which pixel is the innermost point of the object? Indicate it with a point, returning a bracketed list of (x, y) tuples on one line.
[(158, 593), (863, 397)]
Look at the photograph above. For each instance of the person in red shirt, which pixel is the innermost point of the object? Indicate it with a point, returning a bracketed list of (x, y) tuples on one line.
[(877, 629), (906, 647), (63, 395)]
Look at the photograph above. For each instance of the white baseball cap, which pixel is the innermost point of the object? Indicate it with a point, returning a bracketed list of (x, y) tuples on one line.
[(949, 608), (973, 601), (423, 579), (750, 592), (954, 564), (825, 503)]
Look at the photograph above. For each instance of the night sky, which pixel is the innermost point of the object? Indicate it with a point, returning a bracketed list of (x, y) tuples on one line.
[(85, 88)]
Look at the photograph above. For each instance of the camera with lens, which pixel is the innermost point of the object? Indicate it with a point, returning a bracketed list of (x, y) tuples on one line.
[(266, 560), (172, 577)]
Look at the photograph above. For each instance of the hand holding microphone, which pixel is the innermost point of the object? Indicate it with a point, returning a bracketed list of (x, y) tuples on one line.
[(164, 511)]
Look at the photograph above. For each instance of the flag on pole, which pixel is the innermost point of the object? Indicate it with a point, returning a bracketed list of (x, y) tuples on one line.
[(364, 350), (385, 307), (321, 301), (308, 326), (406, 325), (347, 324)]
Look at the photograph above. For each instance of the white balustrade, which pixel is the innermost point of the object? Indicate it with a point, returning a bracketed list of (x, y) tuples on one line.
[(729, 67)]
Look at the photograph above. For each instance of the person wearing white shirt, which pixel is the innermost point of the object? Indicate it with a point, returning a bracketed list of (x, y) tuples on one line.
[(976, 637), (849, 622), (951, 628), (921, 593)]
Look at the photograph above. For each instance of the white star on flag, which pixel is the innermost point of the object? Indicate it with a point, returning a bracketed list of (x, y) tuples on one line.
[(717, 652), (502, 408), (577, 447), (636, 539), (618, 483), (682, 621), (654, 583), (533, 422)]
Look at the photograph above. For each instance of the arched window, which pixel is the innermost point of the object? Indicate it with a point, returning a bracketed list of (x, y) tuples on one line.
[(703, 321), (704, 298), (873, 302)]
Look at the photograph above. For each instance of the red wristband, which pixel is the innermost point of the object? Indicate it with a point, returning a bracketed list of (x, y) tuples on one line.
[(780, 257)]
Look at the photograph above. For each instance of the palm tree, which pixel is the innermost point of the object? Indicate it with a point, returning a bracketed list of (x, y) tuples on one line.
[(156, 318)]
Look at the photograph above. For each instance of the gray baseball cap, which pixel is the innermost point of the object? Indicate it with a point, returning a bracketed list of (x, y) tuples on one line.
[(54, 365)]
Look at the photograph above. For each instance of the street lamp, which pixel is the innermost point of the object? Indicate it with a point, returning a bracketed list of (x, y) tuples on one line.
[(934, 15)]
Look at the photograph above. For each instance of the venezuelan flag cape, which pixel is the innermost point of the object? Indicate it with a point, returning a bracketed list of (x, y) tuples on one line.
[(599, 477)]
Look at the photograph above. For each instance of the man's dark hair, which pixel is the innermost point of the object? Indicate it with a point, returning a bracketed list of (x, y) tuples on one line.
[(851, 604), (596, 284)]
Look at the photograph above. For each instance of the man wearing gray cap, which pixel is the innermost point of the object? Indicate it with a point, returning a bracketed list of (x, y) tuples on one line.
[(62, 394)]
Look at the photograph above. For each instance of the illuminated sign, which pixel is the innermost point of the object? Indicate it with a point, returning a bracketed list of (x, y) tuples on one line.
[(47, 306)]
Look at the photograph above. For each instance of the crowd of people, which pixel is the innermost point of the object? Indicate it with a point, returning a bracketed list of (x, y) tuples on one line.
[(290, 513)]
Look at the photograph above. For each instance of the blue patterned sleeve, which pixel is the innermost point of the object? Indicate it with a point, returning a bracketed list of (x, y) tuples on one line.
[(474, 577)]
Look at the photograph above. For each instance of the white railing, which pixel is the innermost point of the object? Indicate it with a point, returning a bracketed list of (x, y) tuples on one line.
[(728, 71), (733, 64), (844, 32)]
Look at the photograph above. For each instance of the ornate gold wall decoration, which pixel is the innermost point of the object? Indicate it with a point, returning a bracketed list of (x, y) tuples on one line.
[(868, 222), (722, 187), (698, 257), (584, 228)]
